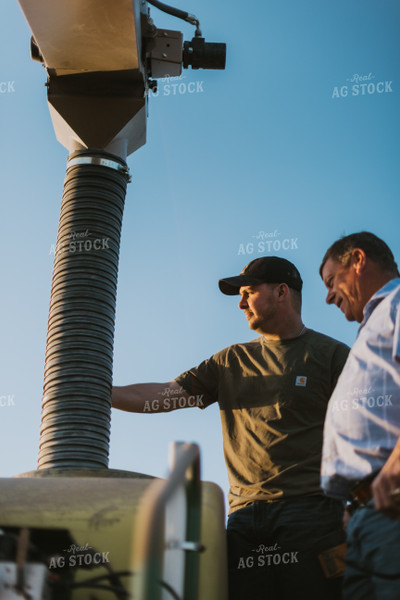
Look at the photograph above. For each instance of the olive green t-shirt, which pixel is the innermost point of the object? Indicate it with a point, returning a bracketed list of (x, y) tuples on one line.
[(272, 397)]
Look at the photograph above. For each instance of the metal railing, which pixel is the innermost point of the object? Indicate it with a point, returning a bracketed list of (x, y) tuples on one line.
[(151, 543)]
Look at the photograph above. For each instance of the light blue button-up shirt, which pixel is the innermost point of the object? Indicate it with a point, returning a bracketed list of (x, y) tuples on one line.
[(362, 422)]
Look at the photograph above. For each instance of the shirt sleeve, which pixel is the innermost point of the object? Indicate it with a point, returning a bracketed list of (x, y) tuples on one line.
[(202, 382), (396, 335)]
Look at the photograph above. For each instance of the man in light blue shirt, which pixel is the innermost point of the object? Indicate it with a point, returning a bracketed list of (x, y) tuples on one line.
[(361, 452)]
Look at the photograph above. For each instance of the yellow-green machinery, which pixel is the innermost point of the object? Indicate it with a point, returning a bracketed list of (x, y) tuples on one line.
[(103, 534), (75, 529)]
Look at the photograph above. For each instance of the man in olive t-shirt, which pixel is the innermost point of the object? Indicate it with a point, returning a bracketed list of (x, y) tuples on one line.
[(272, 394), (272, 397)]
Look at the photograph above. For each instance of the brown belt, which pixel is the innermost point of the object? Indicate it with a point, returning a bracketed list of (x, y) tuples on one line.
[(361, 493)]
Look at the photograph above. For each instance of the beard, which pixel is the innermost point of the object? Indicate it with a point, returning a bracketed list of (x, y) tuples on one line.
[(262, 323)]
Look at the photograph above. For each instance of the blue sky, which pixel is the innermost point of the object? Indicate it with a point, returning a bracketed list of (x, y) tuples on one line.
[(294, 144)]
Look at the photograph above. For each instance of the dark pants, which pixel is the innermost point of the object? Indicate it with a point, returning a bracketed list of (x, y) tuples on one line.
[(373, 556), (273, 548)]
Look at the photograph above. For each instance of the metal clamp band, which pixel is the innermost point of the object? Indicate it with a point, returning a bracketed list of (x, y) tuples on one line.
[(102, 162), (188, 546)]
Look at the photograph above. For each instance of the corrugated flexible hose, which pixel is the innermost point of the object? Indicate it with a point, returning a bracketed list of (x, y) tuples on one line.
[(76, 407)]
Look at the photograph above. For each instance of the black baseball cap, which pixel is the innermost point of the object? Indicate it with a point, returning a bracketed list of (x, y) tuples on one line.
[(266, 269)]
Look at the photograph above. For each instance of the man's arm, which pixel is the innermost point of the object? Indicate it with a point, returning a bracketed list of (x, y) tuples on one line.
[(388, 480), (151, 397), (387, 483)]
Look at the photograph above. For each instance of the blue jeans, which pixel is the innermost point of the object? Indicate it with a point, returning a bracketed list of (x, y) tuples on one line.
[(373, 556), (273, 548)]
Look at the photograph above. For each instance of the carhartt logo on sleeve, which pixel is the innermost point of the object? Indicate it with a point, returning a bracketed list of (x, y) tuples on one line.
[(301, 380)]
